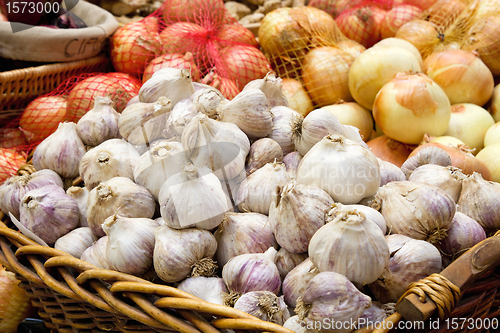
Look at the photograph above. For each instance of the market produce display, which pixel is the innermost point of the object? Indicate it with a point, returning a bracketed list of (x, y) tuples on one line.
[(305, 175)]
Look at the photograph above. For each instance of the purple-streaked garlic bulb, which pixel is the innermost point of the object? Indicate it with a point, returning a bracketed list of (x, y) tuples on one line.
[(286, 261), (463, 234), (295, 282), (292, 161)]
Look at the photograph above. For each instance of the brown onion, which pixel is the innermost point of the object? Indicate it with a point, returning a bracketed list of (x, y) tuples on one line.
[(10, 161), (12, 137), (362, 24), (182, 37), (210, 12), (131, 84), (235, 33), (42, 117), (334, 8), (495, 104), (323, 28), (444, 12), (389, 150), (484, 38), (396, 17), (174, 60), (422, 34)]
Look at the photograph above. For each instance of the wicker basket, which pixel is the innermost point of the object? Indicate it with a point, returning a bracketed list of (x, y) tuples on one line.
[(21, 86)]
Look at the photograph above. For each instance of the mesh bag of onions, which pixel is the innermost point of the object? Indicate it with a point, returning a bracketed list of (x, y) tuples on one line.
[(196, 34), (67, 103)]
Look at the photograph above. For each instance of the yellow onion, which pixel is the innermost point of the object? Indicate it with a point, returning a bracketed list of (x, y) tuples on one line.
[(15, 304), (398, 42), (447, 140), (492, 135), (297, 96), (484, 38), (352, 47), (10, 161), (396, 17), (411, 105), (323, 28), (469, 123), (325, 72), (422, 34), (362, 24), (462, 75), (389, 150), (353, 114), (374, 68), (460, 157), (444, 12), (495, 104), (490, 156)]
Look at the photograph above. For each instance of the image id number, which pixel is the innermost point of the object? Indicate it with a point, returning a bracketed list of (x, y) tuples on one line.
[(472, 323), (32, 7)]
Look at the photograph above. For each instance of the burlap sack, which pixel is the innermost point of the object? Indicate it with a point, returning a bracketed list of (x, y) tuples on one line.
[(60, 45)]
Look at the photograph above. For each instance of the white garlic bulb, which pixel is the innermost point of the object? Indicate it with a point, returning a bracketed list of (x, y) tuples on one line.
[(130, 245), (350, 235), (208, 101), (416, 210), (112, 158), (99, 124), (411, 260), (210, 289), (241, 233), (15, 187), (256, 192), (389, 172), (447, 178), (296, 281), (264, 305), (163, 160), (343, 168), (286, 261), (193, 198), (76, 241), (182, 253), (282, 133), (296, 213), (61, 151), (220, 146), (262, 151), (172, 83), (292, 162), (96, 254), (179, 117), (117, 195), (142, 123), (80, 194), (250, 111), (48, 212), (251, 272), (330, 298), (370, 214), (272, 87)]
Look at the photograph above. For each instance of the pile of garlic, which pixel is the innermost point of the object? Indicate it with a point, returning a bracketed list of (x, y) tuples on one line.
[(246, 203)]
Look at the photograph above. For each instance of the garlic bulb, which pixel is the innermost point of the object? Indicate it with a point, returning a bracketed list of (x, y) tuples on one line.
[(448, 178), (296, 281), (295, 325), (331, 298), (76, 241), (117, 195), (464, 233), (416, 210), (48, 212), (133, 100), (264, 305), (130, 243), (272, 87), (232, 186), (182, 253), (286, 261), (251, 272), (179, 117), (210, 289), (411, 260), (99, 124), (142, 123), (292, 162), (242, 233), (61, 151), (263, 151), (80, 194), (222, 147), (296, 212), (389, 172), (15, 187), (250, 111), (96, 254), (373, 315), (193, 198), (163, 160), (256, 192), (350, 235), (208, 101), (112, 158), (346, 170), (479, 200), (370, 214), (172, 83), (282, 133), (428, 155)]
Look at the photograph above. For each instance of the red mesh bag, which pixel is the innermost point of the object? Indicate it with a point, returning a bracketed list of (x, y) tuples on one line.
[(196, 34)]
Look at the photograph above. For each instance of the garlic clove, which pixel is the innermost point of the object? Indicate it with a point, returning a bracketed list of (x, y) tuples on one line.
[(282, 133), (96, 254), (429, 155), (286, 261), (272, 87), (447, 178), (264, 305), (80, 194), (76, 241), (263, 151), (99, 124), (389, 172), (172, 83), (210, 289), (112, 158), (292, 162), (179, 117), (60, 152), (464, 233), (296, 281), (208, 101)]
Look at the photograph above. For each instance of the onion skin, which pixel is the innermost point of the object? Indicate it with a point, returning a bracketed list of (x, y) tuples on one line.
[(490, 156), (462, 75), (362, 24), (396, 17), (352, 47), (495, 104), (484, 38), (389, 150), (444, 12), (422, 34), (131, 84), (463, 234), (15, 304), (460, 158), (172, 60)]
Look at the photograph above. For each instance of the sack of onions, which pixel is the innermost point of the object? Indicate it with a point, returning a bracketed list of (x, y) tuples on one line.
[(10, 161), (362, 23)]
